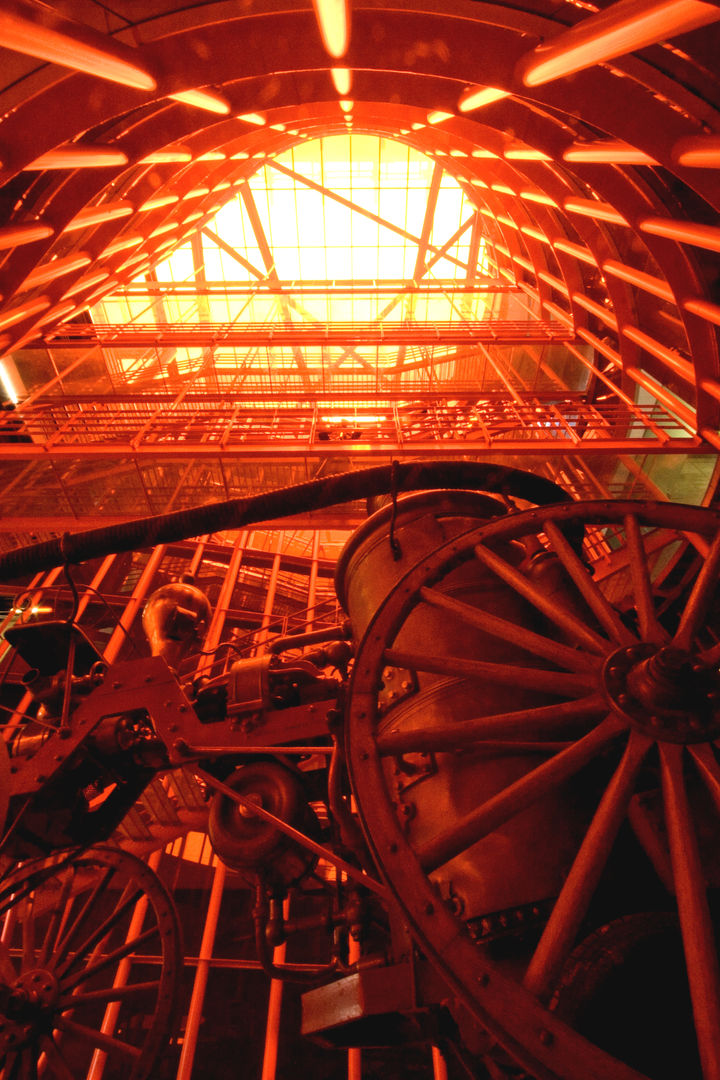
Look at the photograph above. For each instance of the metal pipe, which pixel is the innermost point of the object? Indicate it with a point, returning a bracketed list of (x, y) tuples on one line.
[(439, 1065), (314, 637), (354, 1054), (274, 1011), (197, 1000), (281, 503), (212, 639), (139, 594)]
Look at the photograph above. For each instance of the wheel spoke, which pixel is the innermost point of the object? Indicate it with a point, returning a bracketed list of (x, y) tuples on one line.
[(58, 919), (526, 639), (650, 628), (112, 993), (10, 1066), (711, 656), (108, 960), (99, 932), (603, 611), (79, 920), (708, 768), (566, 620), (493, 813), (571, 906), (28, 933), (8, 973), (693, 910), (548, 682), (58, 1065), (547, 721), (700, 598), (98, 1039), (28, 1063)]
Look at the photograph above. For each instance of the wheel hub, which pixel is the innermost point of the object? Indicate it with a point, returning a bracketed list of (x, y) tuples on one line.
[(27, 1004), (665, 692)]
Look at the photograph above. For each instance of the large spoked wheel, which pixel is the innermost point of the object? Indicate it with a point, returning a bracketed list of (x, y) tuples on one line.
[(621, 701), (90, 963)]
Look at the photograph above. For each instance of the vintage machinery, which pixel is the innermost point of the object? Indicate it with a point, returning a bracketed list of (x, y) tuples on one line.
[(531, 845)]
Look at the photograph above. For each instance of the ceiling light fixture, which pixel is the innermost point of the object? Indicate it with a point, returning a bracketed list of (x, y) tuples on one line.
[(97, 215), (170, 155), (538, 197), (23, 311), (576, 250), (619, 29), (157, 202), (203, 99), (78, 157), (342, 80), (518, 151), (55, 268), (594, 208), (698, 151), (69, 44), (607, 151), (121, 245), (26, 233), (476, 97), (647, 282), (686, 232), (333, 19), (703, 308)]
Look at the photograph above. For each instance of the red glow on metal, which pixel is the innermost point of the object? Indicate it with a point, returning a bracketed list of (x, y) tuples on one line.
[(619, 29)]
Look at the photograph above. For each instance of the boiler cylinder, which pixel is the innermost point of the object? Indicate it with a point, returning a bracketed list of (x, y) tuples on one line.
[(526, 860)]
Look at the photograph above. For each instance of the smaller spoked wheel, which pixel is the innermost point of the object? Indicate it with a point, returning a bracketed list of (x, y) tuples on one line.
[(90, 964), (544, 795)]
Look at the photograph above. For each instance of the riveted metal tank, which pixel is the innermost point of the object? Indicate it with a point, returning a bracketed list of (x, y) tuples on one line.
[(526, 860)]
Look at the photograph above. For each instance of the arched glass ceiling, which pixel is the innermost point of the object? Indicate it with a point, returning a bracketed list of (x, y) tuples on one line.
[(354, 234), (595, 189)]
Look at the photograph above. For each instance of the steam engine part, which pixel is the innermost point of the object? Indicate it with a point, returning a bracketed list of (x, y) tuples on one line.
[(174, 619), (254, 847), (525, 861)]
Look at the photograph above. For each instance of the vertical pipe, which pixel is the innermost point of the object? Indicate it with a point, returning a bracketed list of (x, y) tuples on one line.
[(262, 634), (192, 1028), (214, 633), (354, 1063), (197, 1000), (274, 1012), (439, 1066), (312, 582), (94, 585), (140, 591), (197, 558)]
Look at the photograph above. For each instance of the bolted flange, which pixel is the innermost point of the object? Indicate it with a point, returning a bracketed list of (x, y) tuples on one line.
[(664, 692)]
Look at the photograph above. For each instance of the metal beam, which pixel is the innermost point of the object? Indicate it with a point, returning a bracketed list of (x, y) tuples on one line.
[(330, 194), (498, 331), (297, 448)]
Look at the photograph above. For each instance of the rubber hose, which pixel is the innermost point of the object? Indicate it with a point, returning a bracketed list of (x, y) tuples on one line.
[(284, 502)]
